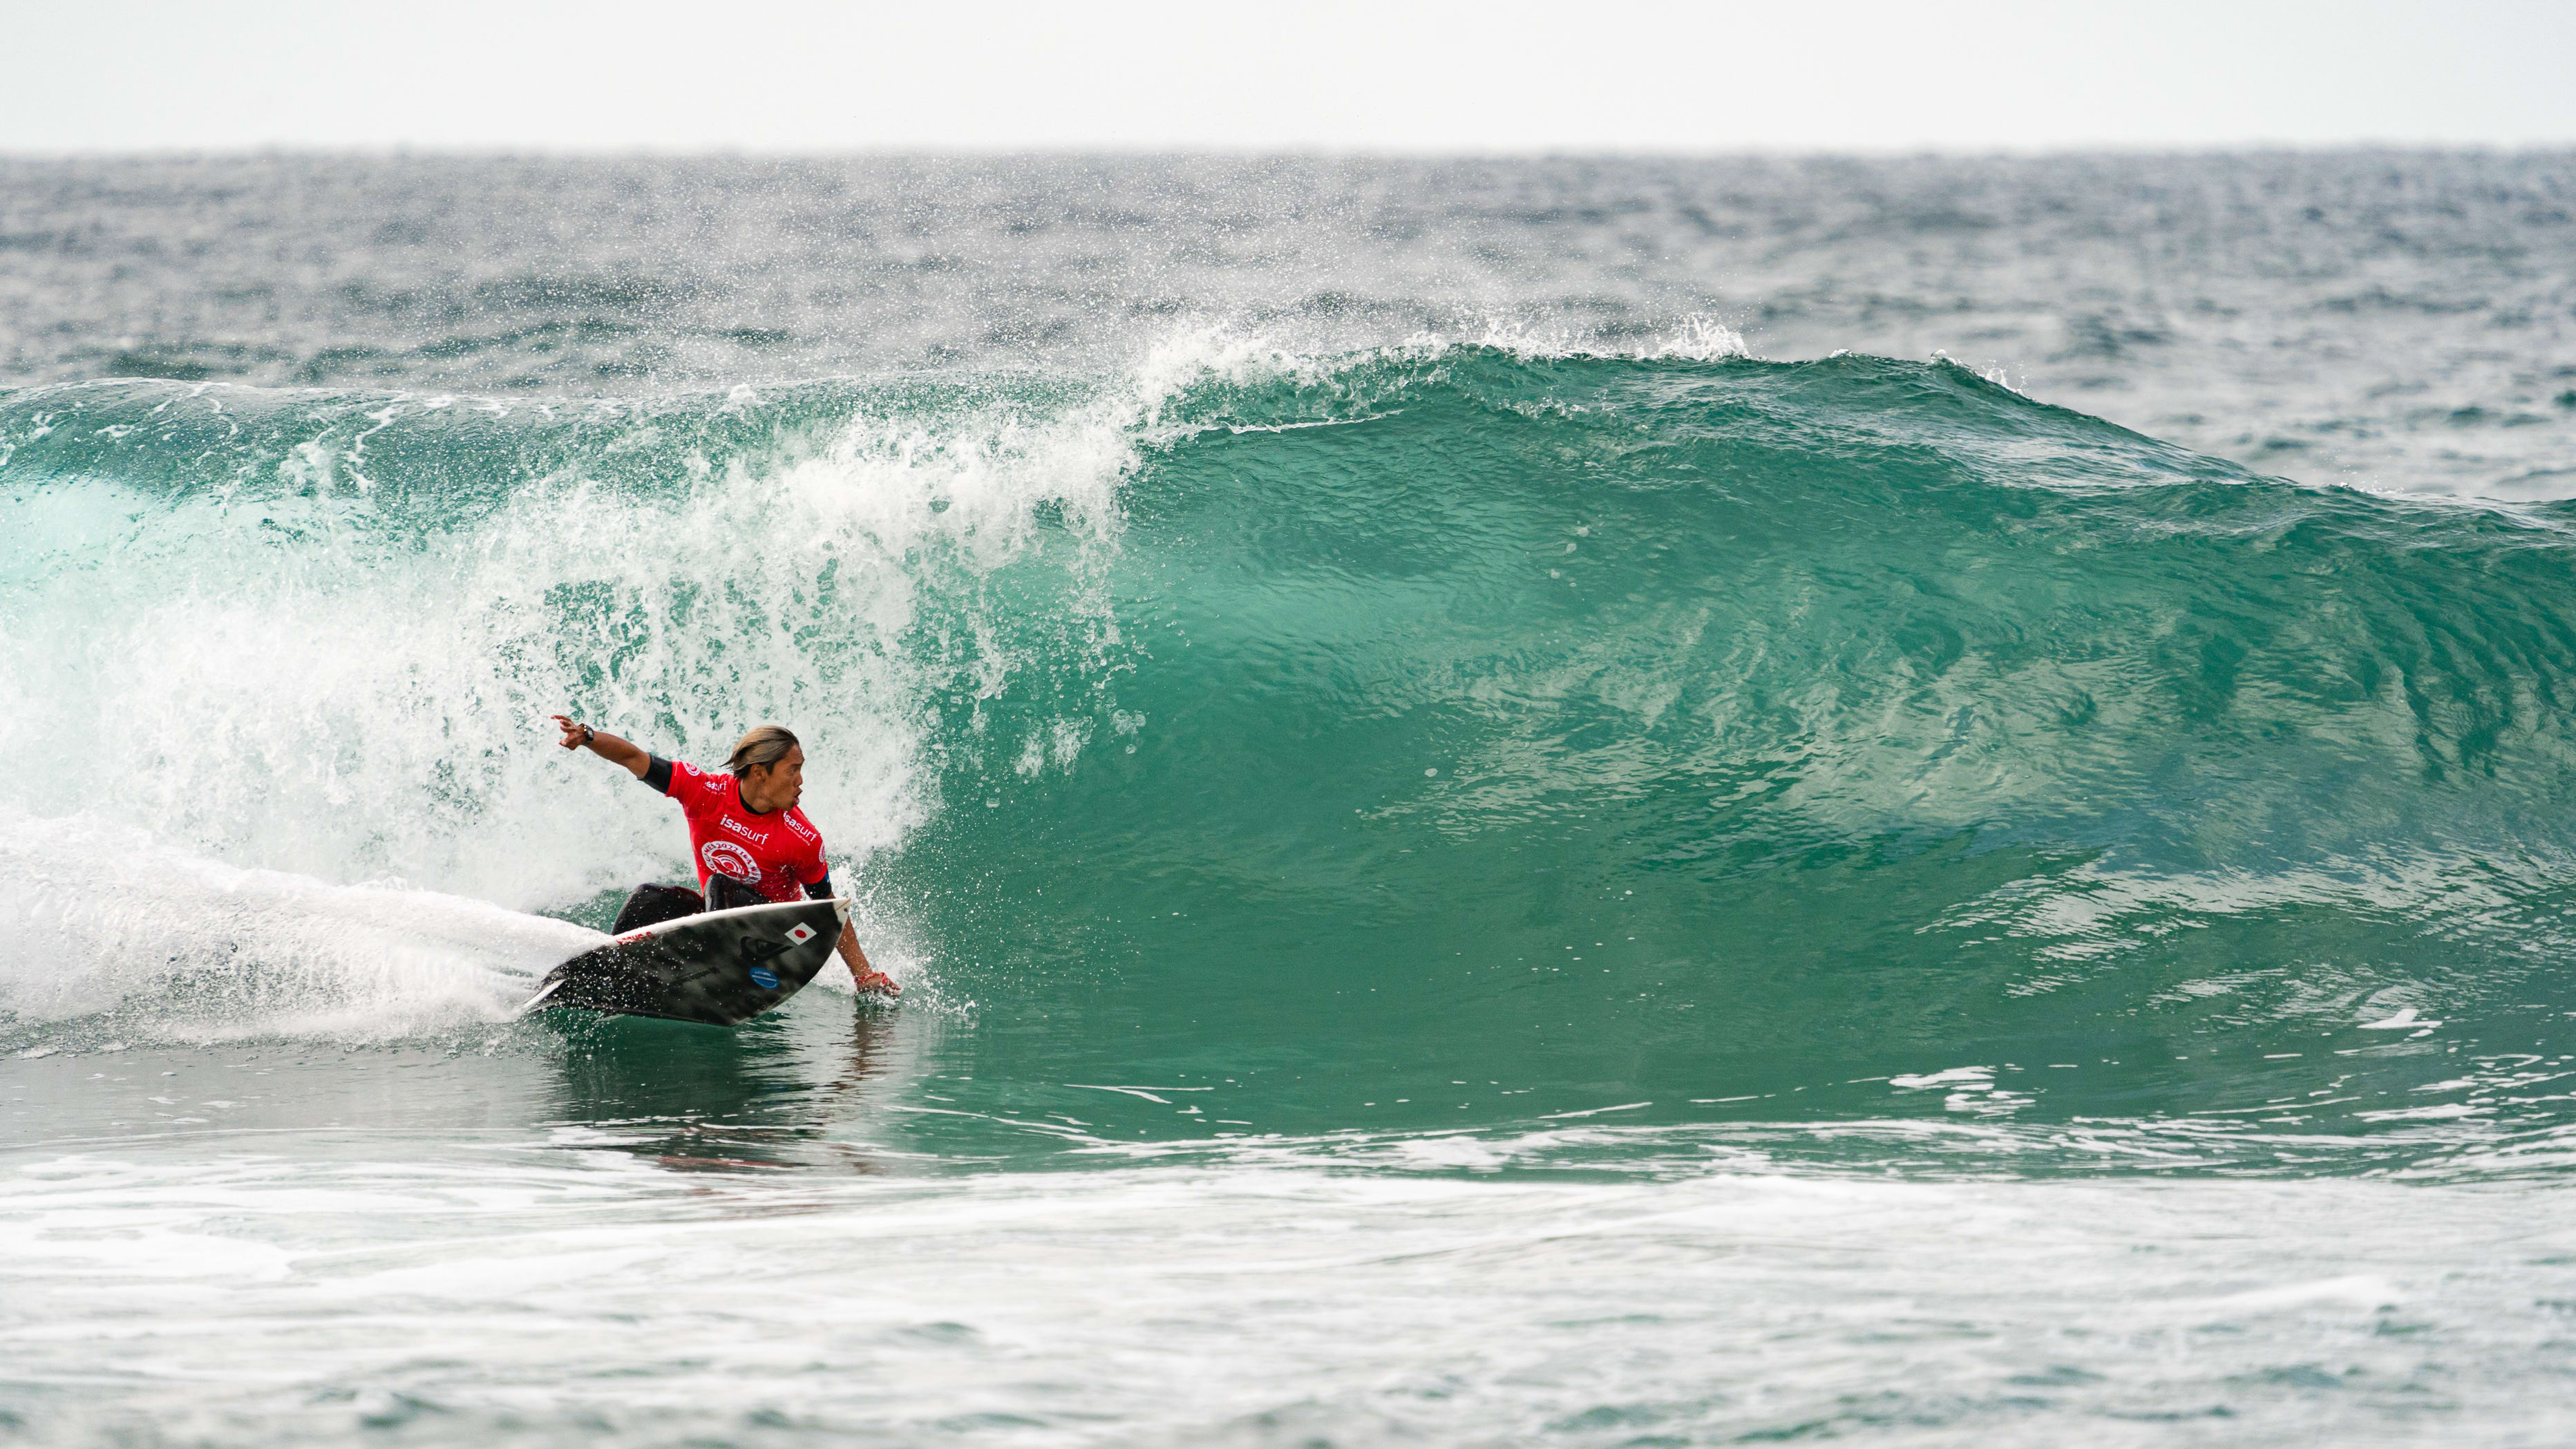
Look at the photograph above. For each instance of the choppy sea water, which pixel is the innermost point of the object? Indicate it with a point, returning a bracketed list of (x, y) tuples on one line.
[(1577, 802)]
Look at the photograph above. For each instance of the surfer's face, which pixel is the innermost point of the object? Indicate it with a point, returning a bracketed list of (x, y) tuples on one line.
[(779, 786)]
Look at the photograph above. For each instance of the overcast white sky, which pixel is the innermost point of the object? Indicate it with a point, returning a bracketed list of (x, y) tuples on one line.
[(1383, 76)]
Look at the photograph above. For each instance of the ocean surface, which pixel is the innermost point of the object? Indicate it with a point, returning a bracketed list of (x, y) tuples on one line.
[(1975, 758)]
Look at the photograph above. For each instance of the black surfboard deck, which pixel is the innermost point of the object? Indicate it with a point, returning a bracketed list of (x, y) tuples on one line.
[(719, 968)]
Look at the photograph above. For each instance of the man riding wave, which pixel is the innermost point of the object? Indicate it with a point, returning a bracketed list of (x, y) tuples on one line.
[(749, 841)]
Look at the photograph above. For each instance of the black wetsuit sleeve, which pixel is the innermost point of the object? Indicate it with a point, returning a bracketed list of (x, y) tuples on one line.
[(820, 890), (657, 773)]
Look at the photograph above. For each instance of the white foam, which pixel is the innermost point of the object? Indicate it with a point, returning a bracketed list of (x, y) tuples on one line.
[(306, 680), (1950, 1077), (1700, 337), (101, 918), (2446, 1112), (493, 1293)]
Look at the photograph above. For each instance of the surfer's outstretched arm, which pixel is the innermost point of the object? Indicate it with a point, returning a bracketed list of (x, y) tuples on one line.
[(578, 736)]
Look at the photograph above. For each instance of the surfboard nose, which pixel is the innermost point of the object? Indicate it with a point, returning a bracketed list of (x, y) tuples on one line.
[(841, 909)]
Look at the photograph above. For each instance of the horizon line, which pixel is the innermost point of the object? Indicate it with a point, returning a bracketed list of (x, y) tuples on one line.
[(514, 152)]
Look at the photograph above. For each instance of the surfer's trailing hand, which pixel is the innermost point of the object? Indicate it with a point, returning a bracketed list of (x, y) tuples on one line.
[(863, 973), (576, 734)]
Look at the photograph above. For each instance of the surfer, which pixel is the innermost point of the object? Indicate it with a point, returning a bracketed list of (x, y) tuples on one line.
[(750, 842)]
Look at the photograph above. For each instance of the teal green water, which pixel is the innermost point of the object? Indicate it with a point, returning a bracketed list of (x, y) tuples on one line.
[(1430, 739)]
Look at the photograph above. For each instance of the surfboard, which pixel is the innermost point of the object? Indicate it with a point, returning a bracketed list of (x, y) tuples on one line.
[(719, 967)]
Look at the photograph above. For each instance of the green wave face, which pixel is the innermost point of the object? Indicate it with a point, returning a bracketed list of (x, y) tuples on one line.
[(1605, 731), (1437, 739)]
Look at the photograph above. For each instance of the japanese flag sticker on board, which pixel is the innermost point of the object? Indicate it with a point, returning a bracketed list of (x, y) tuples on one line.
[(801, 933)]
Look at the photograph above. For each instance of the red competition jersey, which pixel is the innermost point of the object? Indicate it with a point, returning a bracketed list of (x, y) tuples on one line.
[(776, 854)]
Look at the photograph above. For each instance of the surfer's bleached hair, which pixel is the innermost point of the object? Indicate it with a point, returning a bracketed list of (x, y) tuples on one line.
[(765, 746)]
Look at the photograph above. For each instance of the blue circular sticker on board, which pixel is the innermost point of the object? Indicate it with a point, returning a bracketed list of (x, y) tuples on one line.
[(764, 978)]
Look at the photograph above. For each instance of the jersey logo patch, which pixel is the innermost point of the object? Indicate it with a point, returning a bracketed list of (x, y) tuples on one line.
[(723, 857)]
